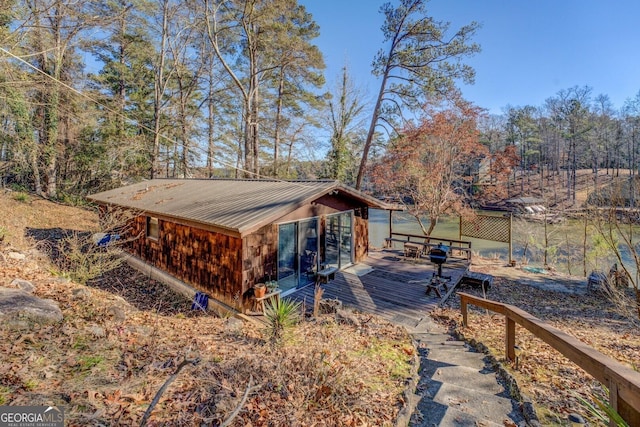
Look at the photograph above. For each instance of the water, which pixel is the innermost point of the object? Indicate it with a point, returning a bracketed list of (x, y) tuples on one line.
[(565, 247)]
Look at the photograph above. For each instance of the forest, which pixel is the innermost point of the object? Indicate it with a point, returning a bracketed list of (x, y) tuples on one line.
[(97, 94)]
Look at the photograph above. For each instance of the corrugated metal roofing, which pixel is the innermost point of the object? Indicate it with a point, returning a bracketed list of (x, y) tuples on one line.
[(237, 205)]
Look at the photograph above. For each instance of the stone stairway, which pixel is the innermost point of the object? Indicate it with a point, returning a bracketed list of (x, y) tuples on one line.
[(456, 386)]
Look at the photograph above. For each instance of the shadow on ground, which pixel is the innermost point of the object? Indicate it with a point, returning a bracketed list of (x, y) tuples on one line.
[(136, 288)]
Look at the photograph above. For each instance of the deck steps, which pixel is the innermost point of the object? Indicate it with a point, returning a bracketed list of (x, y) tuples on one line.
[(457, 385)]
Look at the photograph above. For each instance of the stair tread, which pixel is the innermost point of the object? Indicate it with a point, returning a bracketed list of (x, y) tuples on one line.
[(448, 358), (468, 378), (458, 387), (436, 414), (480, 405)]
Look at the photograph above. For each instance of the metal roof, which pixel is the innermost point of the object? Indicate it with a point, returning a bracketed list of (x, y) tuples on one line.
[(233, 204)]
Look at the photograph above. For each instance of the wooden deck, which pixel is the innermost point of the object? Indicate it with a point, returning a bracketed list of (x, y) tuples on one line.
[(394, 288)]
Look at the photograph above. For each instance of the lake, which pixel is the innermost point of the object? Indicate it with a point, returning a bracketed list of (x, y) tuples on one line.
[(565, 248)]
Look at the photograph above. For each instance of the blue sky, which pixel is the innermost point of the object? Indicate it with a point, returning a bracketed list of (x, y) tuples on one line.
[(531, 49)]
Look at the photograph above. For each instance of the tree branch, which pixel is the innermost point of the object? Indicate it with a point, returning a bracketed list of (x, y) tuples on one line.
[(162, 389)]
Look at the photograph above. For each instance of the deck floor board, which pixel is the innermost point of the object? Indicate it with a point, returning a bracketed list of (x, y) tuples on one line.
[(394, 289)]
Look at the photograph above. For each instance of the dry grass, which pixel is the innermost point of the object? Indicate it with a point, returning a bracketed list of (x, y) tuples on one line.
[(543, 374), (23, 215), (124, 335)]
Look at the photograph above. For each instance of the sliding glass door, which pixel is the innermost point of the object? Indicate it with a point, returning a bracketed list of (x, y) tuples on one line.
[(297, 253), (287, 250), (338, 241)]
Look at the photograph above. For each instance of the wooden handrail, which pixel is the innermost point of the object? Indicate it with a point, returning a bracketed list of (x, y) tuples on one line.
[(623, 382)]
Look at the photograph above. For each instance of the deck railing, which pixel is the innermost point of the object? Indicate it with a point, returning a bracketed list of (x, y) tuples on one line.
[(623, 382), (462, 246)]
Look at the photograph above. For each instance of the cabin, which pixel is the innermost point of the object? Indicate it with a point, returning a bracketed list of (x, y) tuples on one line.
[(223, 236)]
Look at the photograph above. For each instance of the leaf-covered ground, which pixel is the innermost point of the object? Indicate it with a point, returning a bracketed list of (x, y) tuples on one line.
[(544, 375), (124, 335)]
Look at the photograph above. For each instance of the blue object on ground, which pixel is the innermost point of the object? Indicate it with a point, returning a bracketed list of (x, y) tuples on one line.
[(108, 238), (200, 301)]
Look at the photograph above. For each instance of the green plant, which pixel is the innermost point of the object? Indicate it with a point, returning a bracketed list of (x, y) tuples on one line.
[(5, 393), (21, 197), (19, 188), (3, 232), (604, 412), (87, 362), (30, 384), (281, 315)]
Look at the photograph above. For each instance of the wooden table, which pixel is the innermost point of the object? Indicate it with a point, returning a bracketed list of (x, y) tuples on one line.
[(275, 295), (412, 249)]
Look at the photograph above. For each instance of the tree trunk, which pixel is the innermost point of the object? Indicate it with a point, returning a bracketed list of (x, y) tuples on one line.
[(159, 92), (278, 119), (372, 130)]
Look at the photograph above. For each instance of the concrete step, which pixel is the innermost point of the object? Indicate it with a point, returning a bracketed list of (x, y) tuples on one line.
[(462, 376), (448, 357), (442, 402), (437, 339), (433, 414), (457, 386)]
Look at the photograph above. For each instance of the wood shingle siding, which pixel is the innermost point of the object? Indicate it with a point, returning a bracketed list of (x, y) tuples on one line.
[(210, 262)]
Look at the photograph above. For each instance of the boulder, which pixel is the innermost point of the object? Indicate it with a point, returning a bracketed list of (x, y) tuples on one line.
[(25, 285), (16, 256), (117, 313), (347, 317), (81, 294), (233, 326), (96, 331), (16, 304)]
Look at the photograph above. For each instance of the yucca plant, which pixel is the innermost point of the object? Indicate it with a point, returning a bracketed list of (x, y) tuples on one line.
[(604, 412), (281, 314)]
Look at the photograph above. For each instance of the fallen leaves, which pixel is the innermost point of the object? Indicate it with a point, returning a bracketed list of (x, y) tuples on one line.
[(106, 370)]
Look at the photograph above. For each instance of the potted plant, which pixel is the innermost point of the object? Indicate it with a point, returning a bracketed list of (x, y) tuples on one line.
[(272, 285), (259, 290)]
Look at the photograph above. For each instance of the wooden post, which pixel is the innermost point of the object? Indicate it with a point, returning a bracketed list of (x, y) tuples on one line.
[(613, 399), (510, 339), (510, 238), (463, 308)]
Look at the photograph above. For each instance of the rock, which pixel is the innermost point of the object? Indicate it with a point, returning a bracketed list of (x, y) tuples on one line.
[(17, 256), (96, 331), (233, 326), (117, 313), (16, 304), (25, 285), (347, 317), (81, 293)]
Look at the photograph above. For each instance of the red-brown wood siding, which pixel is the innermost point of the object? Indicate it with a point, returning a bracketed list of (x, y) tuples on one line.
[(209, 261), (260, 251)]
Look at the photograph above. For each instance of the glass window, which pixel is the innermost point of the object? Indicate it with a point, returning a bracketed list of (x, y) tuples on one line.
[(153, 230)]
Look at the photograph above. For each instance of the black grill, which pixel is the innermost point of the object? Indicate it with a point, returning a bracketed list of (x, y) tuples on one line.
[(438, 256)]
